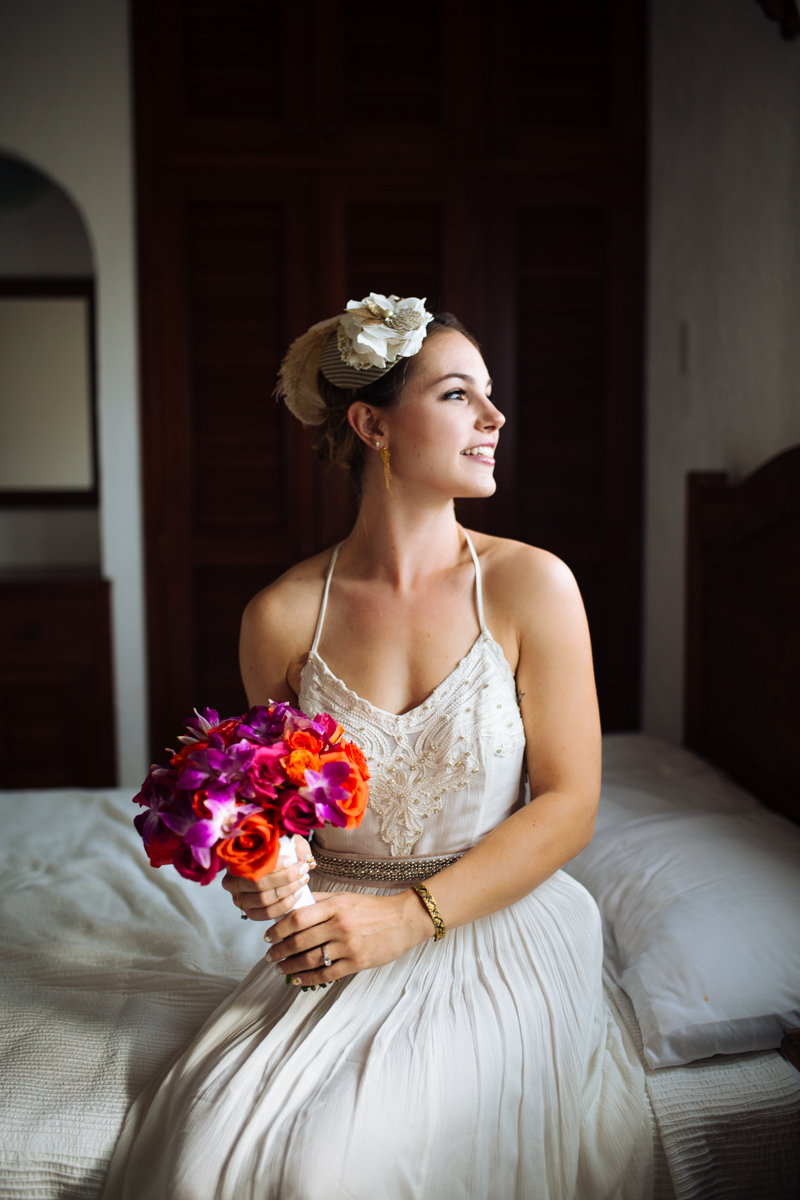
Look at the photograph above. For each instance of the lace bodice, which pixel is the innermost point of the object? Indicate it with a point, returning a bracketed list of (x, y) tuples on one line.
[(444, 773)]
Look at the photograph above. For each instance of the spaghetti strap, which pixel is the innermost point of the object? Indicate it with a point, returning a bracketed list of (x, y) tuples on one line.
[(324, 604), (478, 582)]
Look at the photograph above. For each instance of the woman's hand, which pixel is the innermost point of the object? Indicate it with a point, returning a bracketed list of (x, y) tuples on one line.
[(356, 931), (273, 895)]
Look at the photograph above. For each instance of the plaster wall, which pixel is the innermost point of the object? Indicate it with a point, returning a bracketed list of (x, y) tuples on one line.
[(723, 324), (65, 108)]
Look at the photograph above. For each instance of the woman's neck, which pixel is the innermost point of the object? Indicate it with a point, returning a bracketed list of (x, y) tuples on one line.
[(402, 541)]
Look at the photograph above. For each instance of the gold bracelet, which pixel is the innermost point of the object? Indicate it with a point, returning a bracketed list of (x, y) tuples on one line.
[(433, 911)]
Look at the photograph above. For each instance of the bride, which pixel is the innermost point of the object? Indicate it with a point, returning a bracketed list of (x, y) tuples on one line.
[(464, 1051)]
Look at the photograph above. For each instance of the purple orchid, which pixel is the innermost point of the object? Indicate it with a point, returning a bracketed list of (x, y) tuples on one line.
[(181, 816), (199, 726), (156, 795), (262, 726), (219, 769), (224, 822), (324, 790)]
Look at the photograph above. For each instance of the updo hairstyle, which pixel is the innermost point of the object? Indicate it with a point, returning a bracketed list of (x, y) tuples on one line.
[(338, 442)]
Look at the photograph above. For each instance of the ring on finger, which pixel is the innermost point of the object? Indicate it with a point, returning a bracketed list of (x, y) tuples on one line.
[(326, 959), (277, 893)]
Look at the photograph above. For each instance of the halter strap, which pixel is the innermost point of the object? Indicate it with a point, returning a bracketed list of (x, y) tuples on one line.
[(329, 576), (324, 604), (478, 582)]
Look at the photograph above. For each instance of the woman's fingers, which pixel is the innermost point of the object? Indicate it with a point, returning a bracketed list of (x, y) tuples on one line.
[(310, 969), (255, 895), (304, 852), (301, 921), (276, 891)]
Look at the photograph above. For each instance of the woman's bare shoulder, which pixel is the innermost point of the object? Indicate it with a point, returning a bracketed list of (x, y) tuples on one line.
[(511, 566), (289, 606), (531, 595)]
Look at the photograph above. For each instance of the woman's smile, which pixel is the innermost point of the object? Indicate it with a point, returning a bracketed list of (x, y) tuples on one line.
[(484, 453)]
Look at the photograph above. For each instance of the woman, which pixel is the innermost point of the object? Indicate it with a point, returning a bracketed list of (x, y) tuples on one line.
[(480, 1064)]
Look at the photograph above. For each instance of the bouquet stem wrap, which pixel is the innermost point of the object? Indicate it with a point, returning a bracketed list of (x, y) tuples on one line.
[(304, 898)]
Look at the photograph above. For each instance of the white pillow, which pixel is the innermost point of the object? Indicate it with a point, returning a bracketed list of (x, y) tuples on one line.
[(701, 907)]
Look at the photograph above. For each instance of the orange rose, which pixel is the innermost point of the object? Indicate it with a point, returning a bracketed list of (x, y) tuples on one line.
[(301, 739), (356, 757), (253, 852), (356, 784), (297, 763)]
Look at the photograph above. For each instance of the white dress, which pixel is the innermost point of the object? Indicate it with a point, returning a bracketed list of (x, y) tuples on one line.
[(485, 1066)]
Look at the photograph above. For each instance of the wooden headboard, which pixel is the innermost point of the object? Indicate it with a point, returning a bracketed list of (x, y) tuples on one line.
[(743, 627)]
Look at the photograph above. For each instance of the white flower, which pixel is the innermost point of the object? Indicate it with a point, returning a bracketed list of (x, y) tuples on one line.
[(378, 330)]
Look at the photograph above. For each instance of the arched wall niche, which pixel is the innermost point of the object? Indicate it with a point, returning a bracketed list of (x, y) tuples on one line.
[(46, 251), (42, 232)]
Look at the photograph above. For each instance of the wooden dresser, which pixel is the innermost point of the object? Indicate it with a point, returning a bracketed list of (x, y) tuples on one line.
[(56, 700)]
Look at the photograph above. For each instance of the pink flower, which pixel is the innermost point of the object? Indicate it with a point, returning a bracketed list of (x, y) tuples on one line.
[(266, 773), (299, 814)]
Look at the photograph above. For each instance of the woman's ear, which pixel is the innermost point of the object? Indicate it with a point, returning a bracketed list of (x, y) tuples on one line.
[(366, 423)]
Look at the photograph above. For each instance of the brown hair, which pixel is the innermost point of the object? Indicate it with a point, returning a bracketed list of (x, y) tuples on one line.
[(338, 442)]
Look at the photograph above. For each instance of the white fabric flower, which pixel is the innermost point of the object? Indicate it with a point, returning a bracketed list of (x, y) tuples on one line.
[(378, 330)]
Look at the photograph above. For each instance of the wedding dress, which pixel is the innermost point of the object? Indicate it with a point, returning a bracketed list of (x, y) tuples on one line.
[(486, 1066)]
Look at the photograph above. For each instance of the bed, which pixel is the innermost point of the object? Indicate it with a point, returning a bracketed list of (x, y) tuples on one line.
[(110, 967)]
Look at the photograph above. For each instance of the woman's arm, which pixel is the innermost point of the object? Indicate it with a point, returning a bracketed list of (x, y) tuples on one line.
[(537, 603), (277, 627)]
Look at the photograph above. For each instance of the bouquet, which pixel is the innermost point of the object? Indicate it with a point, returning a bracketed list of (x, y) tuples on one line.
[(239, 790)]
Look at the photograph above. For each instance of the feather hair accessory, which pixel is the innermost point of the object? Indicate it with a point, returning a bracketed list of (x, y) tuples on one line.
[(297, 378), (352, 350)]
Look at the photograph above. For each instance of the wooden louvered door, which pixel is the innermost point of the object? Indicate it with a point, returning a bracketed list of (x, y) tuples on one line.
[(291, 155)]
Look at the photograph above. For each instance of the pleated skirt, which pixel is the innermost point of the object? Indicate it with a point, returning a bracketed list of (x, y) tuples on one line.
[(486, 1066)]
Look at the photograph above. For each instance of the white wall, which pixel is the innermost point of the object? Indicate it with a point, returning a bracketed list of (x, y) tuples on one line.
[(724, 260), (65, 108)]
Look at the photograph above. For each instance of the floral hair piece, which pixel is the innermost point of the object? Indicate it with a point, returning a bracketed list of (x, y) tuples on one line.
[(352, 350)]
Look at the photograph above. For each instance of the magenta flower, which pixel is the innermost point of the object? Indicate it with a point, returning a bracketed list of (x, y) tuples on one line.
[(324, 790), (299, 814), (186, 865), (327, 726), (266, 773)]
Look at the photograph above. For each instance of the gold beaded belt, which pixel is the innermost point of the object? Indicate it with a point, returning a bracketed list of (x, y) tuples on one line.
[(381, 870)]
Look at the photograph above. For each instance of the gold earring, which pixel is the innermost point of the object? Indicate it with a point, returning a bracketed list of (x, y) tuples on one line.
[(387, 470)]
